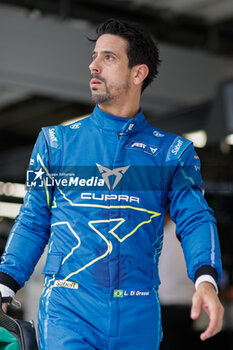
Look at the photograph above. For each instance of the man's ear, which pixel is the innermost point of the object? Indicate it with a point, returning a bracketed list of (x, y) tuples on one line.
[(140, 73)]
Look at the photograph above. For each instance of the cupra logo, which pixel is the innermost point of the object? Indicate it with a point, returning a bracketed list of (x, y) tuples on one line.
[(117, 172)]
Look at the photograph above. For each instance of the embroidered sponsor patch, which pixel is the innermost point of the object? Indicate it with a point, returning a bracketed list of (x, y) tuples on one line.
[(120, 293), (158, 134), (52, 134), (177, 146), (66, 284), (142, 146), (75, 126)]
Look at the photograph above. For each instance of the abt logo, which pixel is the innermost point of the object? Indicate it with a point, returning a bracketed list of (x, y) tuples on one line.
[(141, 146), (117, 172)]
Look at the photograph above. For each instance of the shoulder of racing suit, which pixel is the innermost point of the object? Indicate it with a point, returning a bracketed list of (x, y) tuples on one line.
[(173, 144)]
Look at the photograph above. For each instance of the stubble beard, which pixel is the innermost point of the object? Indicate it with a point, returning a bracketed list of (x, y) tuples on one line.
[(106, 97), (101, 97)]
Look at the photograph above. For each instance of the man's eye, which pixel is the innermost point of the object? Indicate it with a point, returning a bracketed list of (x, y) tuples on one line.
[(109, 57)]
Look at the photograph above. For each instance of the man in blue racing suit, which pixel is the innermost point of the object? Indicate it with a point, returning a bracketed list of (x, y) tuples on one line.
[(98, 191)]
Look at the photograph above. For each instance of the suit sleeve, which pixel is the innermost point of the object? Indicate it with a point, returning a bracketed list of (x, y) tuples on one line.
[(31, 230), (195, 223)]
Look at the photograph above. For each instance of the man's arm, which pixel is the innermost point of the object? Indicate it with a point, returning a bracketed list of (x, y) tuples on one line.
[(196, 229), (31, 230)]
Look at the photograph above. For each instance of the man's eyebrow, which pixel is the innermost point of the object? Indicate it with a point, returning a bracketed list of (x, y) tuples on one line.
[(106, 52)]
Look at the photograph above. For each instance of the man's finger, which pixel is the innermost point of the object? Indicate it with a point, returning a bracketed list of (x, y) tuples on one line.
[(196, 307), (215, 324), (211, 329), (4, 307)]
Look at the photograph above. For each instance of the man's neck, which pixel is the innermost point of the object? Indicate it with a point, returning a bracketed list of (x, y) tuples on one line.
[(125, 111)]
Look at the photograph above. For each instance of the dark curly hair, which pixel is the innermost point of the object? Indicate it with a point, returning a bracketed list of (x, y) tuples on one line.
[(141, 47)]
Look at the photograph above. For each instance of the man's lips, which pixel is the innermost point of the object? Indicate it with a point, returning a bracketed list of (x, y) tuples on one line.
[(95, 82)]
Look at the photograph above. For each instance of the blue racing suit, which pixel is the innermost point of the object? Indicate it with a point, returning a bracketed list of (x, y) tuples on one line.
[(98, 191)]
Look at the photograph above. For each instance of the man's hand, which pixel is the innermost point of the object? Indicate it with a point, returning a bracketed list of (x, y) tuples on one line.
[(205, 297), (6, 297)]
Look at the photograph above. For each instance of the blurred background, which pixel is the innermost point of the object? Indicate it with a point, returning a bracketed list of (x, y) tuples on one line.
[(44, 58)]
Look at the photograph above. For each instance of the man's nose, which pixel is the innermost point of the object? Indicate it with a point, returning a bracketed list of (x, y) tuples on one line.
[(94, 66)]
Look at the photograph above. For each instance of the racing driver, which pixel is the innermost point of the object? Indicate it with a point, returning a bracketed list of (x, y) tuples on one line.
[(98, 191)]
